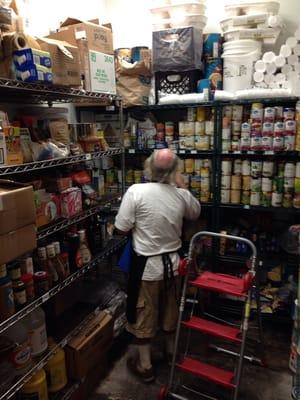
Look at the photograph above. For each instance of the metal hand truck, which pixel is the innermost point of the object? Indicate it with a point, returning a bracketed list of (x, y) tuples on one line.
[(242, 288)]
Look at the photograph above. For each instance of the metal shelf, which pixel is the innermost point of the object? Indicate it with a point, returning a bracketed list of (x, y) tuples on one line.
[(290, 210), (266, 100), (113, 245), (38, 92), (14, 388), (158, 107), (67, 392), (279, 154), (179, 152), (65, 223), (55, 162)]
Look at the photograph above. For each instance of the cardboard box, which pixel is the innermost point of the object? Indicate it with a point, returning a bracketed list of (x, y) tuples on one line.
[(17, 207), (47, 207), (85, 350), (16, 243), (65, 61), (14, 153), (98, 37), (33, 73)]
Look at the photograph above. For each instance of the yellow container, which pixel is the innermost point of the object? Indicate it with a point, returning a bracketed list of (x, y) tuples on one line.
[(36, 388), (56, 371), (200, 114), (189, 165)]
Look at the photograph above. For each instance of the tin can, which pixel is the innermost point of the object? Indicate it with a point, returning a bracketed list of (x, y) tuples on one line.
[(205, 183), (289, 170), (279, 113), (266, 184), (266, 199), (246, 167), (278, 183), (198, 164), (169, 128), (195, 181), (226, 167), (256, 143), (289, 142), (237, 112), (204, 172), (269, 114), (296, 201), (297, 186), (237, 167), (201, 142), (256, 129), (204, 197), (190, 142), (278, 129), (276, 199), (256, 169), (256, 184), (246, 182), (191, 114), (226, 145), (267, 129), (278, 143), (235, 196), (235, 144), (290, 127), (288, 113), (245, 197), (268, 169), (226, 133), (236, 182), (245, 143), (267, 143), (236, 128), (287, 200), (200, 116), (255, 198), (199, 128), (207, 163), (289, 185), (225, 182), (257, 112), (227, 112), (189, 166), (181, 165), (209, 128), (245, 129), (225, 196)]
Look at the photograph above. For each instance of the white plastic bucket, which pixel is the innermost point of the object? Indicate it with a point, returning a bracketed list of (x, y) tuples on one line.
[(243, 45), (238, 70)]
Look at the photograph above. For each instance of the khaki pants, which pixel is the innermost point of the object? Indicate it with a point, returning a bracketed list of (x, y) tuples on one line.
[(157, 307)]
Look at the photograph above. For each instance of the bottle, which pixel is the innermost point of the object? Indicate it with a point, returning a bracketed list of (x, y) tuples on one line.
[(20, 297), (35, 388), (3, 150), (94, 232), (43, 265), (51, 261), (56, 370), (59, 265), (83, 248), (62, 259), (36, 325), (7, 304), (75, 260), (20, 356)]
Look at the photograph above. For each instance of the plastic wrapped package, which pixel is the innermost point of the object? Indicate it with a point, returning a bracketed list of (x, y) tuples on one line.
[(178, 49), (48, 150)]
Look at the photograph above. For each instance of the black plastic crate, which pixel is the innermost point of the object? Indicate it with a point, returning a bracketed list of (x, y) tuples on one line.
[(171, 82)]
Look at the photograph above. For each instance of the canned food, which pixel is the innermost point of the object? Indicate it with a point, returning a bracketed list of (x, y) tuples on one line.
[(204, 172), (226, 145), (278, 182), (186, 128), (246, 182), (181, 165), (235, 196), (189, 166), (204, 196), (276, 199), (245, 129), (256, 143), (236, 181), (245, 197), (200, 114), (268, 129), (289, 185), (237, 167), (205, 184), (227, 112), (201, 142), (196, 181), (278, 143), (199, 128), (237, 112), (246, 167), (267, 143), (225, 196), (186, 179), (198, 164), (290, 127), (278, 129), (297, 185), (191, 114), (269, 114), (268, 168), (289, 170), (225, 182), (209, 128), (169, 128), (226, 167), (235, 144), (287, 200), (226, 133), (207, 163), (256, 168), (296, 201), (266, 199), (280, 169), (236, 128), (289, 142), (189, 142), (288, 114), (256, 184), (257, 112), (255, 198), (266, 184), (245, 143)]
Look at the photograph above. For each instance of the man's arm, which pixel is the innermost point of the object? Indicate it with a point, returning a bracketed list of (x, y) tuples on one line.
[(125, 219)]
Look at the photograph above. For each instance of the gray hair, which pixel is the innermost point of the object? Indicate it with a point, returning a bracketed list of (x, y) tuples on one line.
[(153, 173)]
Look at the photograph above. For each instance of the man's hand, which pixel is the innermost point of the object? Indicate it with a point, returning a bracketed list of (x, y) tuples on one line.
[(180, 181)]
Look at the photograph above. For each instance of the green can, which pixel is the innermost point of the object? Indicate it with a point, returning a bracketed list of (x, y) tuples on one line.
[(246, 197), (278, 184), (281, 169), (266, 199), (287, 200)]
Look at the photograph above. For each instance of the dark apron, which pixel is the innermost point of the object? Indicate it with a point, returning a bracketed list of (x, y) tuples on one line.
[(137, 268)]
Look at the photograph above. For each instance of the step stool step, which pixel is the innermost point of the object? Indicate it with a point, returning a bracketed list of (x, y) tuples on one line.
[(221, 283), (213, 328), (207, 372)]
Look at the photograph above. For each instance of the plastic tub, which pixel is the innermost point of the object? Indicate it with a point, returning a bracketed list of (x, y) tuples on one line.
[(244, 20), (197, 21), (188, 8), (242, 46), (238, 70), (238, 34), (233, 10)]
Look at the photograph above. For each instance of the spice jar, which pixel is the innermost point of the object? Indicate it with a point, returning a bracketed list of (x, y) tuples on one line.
[(7, 304), (19, 294), (27, 279), (41, 282)]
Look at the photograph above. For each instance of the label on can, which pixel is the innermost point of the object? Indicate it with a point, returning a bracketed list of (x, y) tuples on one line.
[(266, 184), (267, 143), (225, 196), (289, 142), (278, 129), (245, 143), (268, 129), (255, 198), (256, 168), (237, 112), (278, 182), (256, 184), (268, 168), (246, 197), (290, 127), (276, 199), (288, 113), (201, 142), (236, 128), (237, 167), (269, 114), (226, 133), (266, 199), (256, 114), (235, 196), (256, 143), (198, 164), (226, 145), (278, 143), (226, 167), (225, 182), (246, 182), (246, 167), (227, 111), (289, 170), (189, 165), (235, 144), (199, 128), (287, 200), (209, 128), (245, 129)]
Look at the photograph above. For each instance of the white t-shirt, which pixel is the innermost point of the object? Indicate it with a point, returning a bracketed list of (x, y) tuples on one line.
[(154, 212)]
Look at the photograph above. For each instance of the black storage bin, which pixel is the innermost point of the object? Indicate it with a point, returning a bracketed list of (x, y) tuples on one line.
[(177, 49), (176, 82)]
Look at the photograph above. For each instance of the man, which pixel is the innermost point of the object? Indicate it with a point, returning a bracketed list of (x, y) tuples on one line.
[(153, 212)]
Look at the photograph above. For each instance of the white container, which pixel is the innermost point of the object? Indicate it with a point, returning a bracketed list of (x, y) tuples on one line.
[(298, 170), (256, 168), (276, 199), (266, 184), (246, 168), (268, 169), (237, 167), (195, 20), (289, 170), (225, 182), (226, 167), (270, 7), (255, 198), (225, 196), (36, 324), (238, 71)]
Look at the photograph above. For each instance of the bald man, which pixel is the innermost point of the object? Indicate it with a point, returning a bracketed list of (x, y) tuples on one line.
[(153, 212)]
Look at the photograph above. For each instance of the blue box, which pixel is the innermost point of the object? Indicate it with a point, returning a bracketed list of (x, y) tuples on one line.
[(33, 73), (30, 57)]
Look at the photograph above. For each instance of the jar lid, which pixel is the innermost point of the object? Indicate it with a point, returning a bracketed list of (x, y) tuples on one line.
[(40, 275), (26, 278), (18, 285)]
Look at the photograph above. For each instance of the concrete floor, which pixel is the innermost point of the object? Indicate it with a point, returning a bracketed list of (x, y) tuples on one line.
[(258, 383)]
